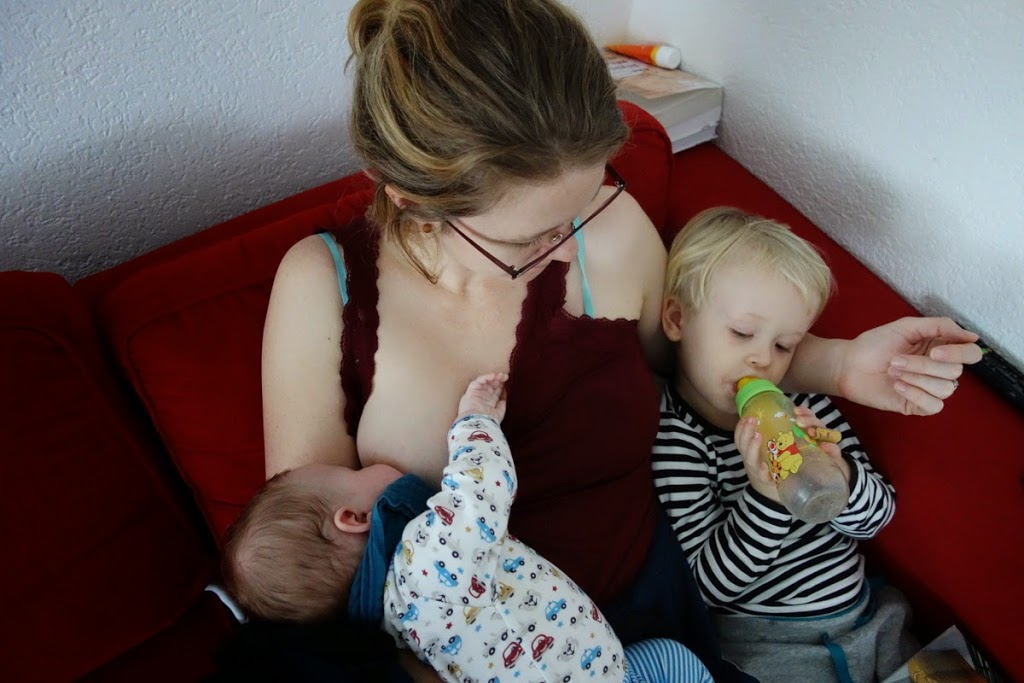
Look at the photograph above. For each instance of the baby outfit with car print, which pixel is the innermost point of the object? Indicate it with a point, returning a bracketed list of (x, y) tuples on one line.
[(476, 603)]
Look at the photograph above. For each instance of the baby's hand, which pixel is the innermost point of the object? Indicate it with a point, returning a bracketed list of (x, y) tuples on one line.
[(748, 440), (485, 396), (809, 422)]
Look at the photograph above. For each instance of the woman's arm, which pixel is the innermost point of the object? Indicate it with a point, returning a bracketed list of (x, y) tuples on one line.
[(652, 257), (303, 403), (906, 366), (626, 262)]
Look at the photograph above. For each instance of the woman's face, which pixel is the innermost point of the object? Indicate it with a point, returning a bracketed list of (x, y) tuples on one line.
[(526, 223)]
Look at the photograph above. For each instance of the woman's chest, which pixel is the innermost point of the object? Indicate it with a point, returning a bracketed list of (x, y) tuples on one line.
[(566, 372), (426, 356)]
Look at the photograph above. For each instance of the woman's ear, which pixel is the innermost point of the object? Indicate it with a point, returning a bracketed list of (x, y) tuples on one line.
[(672, 318), (352, 521), (397, 198), (403, 202)]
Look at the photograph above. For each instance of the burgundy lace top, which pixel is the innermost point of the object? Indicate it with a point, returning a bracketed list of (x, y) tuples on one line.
[(581, 418)]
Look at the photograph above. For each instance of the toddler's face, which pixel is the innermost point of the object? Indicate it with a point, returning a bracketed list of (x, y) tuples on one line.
[(749, 325)]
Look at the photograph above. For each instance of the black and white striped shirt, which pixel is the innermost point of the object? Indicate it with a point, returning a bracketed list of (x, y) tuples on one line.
[(748, 554)]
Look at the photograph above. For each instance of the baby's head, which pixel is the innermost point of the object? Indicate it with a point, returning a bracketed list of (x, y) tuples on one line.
[(293, 552), (741, 292)]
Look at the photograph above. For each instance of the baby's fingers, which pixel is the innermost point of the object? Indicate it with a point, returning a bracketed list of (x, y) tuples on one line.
[(836, 455), (748, 440), (831, 450), (806, 419)]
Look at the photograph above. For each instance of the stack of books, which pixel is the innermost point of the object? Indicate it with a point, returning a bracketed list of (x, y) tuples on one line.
[(689, 107)]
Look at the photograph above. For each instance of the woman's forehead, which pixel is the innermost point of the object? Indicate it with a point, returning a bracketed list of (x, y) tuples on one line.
[(528, 210)]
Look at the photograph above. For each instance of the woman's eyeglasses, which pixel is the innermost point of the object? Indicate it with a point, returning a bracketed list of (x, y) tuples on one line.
[(558, 239)]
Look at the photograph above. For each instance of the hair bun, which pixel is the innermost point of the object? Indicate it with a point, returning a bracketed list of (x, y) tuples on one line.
[(366, 21)]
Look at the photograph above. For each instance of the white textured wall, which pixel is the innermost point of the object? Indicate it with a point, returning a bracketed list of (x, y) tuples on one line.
[(607, 19), (898, 127), (125, 125)]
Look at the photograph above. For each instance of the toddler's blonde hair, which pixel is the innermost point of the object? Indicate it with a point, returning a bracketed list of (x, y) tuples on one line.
[(283, 561), (726, 235)]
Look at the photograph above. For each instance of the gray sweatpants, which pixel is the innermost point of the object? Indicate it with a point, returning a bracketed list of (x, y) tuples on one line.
[(862, 645)]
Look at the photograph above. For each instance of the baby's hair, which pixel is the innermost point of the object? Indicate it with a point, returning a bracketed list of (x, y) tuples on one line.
[(283, 561), (457, 102), (726, 235)]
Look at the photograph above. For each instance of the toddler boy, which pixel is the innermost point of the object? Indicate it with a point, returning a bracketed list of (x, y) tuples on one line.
[(789, 598)]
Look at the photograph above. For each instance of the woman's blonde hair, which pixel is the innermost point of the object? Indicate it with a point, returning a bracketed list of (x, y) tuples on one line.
[(458, 101), (283, 562), (726, 235)]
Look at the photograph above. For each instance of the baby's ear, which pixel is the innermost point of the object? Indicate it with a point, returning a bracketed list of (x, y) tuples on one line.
[(672, 318), (352, 521)]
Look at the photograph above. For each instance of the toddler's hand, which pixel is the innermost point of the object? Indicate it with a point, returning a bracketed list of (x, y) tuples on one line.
[(748, 440), (485, 396), (809, 422)]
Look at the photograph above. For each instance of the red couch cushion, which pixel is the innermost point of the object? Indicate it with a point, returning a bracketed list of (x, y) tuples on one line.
[(187, 328), (187, 651), (188, 331), (954, 544), (645, 162), (100, 553)]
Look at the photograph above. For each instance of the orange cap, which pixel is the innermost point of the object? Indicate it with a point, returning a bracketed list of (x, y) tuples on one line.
[(664, 56)]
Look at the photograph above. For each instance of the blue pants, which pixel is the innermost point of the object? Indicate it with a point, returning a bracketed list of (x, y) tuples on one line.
[(663, 661), (664, 602)]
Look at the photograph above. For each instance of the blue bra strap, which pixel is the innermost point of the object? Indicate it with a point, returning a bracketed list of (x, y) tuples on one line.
[(339, 265), (588, 303)]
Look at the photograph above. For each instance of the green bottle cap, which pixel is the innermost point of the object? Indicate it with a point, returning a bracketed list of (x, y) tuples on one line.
[(749, 387)]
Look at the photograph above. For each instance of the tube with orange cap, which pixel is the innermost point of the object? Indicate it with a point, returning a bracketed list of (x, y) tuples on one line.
[(664, 56), (811, 486)]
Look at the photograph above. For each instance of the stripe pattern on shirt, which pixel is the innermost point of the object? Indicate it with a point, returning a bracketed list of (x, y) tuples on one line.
[(748, 554)]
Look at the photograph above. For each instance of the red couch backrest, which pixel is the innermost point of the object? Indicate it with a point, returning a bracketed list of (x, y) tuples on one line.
[(101, 549)]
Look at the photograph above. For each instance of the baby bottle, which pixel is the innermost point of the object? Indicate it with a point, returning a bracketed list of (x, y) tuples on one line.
[(811, 485)]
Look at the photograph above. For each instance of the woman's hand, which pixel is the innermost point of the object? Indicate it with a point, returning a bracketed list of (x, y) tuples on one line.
[(908, 366), (748, 441)]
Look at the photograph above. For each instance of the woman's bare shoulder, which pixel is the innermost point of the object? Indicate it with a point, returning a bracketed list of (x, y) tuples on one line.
[(624, 239), (306, 263), (303, 404)]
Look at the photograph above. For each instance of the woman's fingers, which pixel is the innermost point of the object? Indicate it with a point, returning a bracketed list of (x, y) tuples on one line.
[(925, 367), (918, 401), (965, 354), (938, 387)]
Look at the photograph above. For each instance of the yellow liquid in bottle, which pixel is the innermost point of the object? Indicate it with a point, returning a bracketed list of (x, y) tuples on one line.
[(811, 486)]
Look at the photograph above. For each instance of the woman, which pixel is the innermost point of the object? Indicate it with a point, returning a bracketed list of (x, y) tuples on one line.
[(493, 245)]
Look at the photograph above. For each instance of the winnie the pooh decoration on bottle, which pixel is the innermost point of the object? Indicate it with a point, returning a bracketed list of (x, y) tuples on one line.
[(811, 486)]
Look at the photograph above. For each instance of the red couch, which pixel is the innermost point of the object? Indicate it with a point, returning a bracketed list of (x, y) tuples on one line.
[(130, 428)]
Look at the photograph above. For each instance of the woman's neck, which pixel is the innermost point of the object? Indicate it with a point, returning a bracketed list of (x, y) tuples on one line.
[(457, 279)]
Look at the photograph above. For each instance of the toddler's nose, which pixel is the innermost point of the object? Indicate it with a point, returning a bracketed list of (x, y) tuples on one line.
[(759, 357)]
